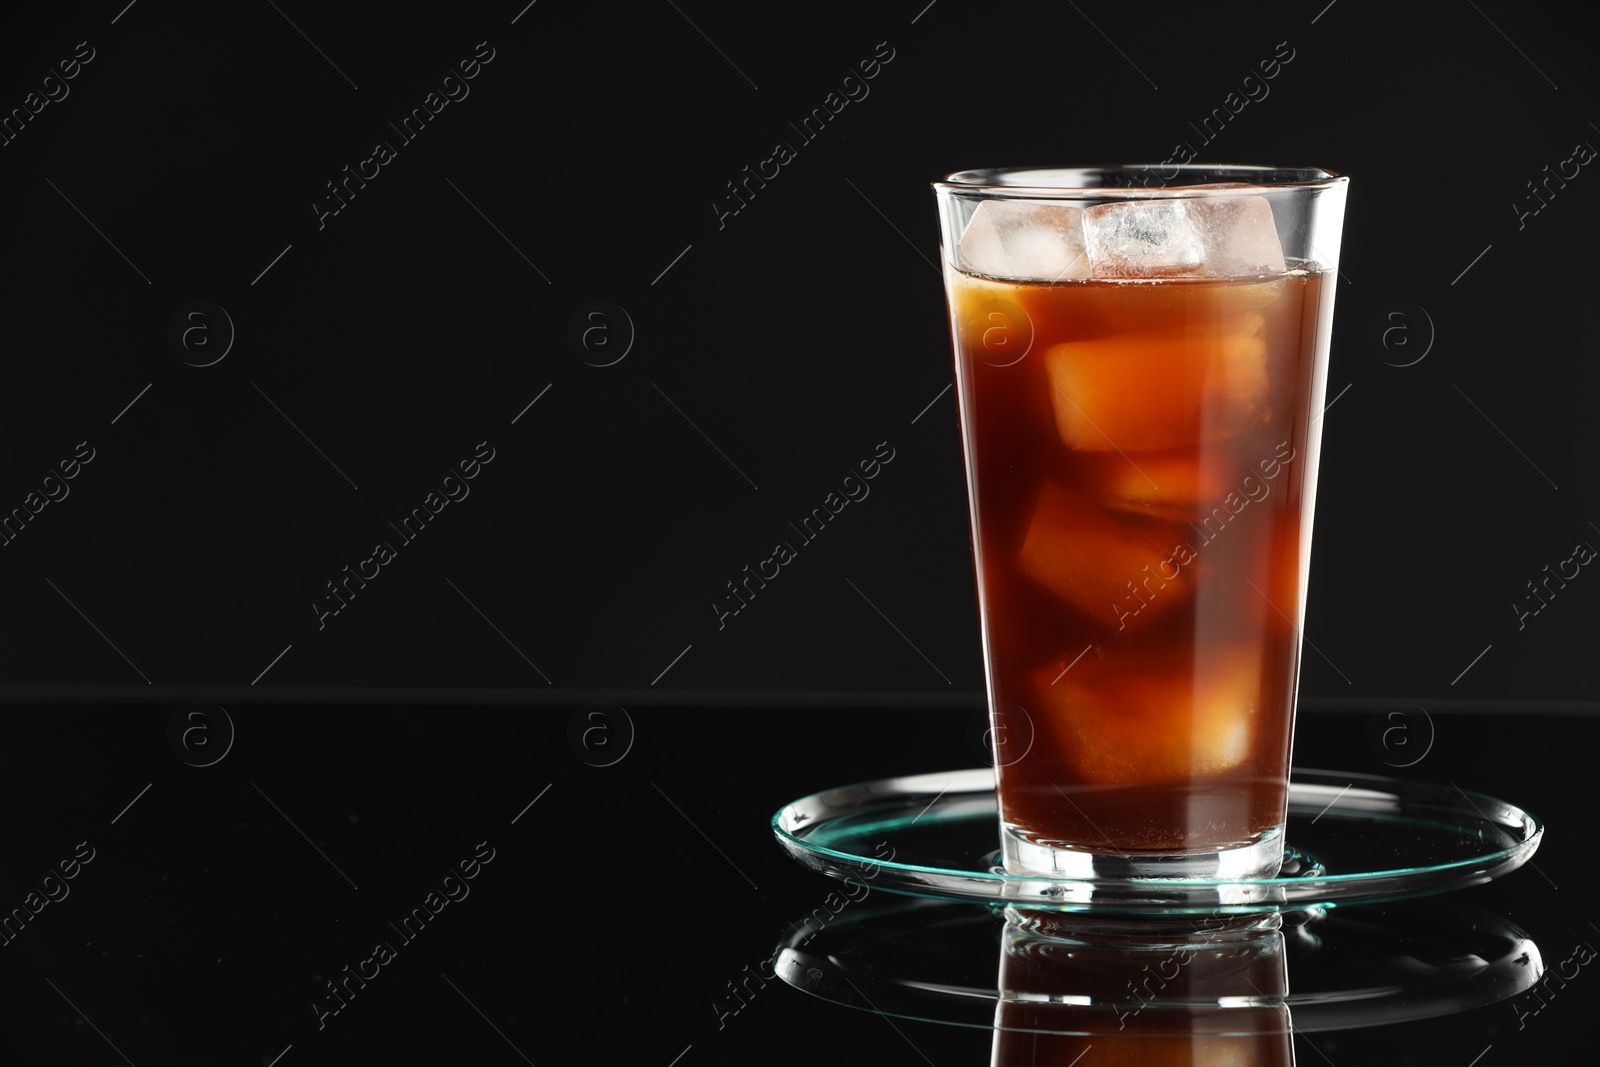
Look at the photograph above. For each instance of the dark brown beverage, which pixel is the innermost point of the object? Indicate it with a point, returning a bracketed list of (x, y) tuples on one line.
[(1139, 457), (1205, 997)]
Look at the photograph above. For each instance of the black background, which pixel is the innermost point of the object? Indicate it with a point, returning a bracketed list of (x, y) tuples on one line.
[(770, 354), (796, 337), (618, 907)]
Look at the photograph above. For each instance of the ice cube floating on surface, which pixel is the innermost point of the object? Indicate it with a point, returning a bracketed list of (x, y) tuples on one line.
[(1218, 234), (1020, 239)]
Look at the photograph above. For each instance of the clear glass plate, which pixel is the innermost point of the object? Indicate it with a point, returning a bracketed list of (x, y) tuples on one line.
[(1350, 838)]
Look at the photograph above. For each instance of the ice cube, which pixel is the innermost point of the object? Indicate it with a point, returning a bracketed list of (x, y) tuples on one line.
[(1212, 236), (1126, 719), (1117, 571), (1024, 240), (1240, 237), (1166, 485), (1142, 239), (1159, 390)]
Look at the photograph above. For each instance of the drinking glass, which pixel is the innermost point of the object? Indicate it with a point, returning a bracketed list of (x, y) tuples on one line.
[(1141, 356)]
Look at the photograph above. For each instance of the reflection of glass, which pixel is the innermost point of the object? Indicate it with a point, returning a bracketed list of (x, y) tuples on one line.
[(1143, 993), (1140, 354), (1211, 992)]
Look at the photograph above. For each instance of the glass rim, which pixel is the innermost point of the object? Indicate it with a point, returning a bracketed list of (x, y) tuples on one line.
[(1072, 182)]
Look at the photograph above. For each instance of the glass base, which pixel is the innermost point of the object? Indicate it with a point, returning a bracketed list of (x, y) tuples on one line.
[(1259, 858)]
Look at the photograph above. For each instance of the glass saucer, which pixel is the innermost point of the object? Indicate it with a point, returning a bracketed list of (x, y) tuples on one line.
[(1341, 968), (1350, 838)]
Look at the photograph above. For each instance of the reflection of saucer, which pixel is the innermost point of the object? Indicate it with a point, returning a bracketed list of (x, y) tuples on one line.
[(1351, 838), (935, 961)]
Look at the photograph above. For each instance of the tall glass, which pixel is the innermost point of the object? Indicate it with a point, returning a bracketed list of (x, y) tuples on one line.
[(1141, 356)]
